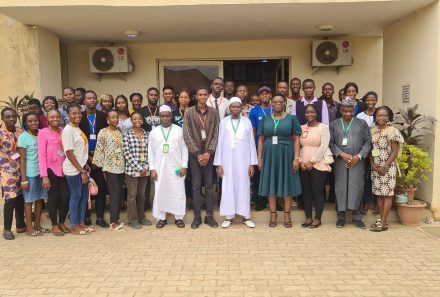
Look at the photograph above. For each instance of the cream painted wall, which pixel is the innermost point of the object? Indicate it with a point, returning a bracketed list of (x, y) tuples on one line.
[(19, 73), (411, 55), (366, 70), (49, 62)]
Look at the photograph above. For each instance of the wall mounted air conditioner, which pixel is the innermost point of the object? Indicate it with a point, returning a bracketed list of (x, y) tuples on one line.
[(331, 53), (110, 60)]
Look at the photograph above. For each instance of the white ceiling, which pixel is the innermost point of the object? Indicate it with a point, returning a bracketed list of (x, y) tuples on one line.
[(183, 23)]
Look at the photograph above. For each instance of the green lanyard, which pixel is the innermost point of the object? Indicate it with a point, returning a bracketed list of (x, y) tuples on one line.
[(168, 134), (276, 124), (346, 129), (235, 128)]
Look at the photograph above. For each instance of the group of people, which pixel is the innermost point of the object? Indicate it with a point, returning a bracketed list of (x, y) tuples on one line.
[(257, 148)]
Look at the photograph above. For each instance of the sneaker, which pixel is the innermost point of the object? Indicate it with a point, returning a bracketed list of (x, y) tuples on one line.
[(226, 223), (249, 223), (135, 225), (340, 223), (359, 224), (145, 222)]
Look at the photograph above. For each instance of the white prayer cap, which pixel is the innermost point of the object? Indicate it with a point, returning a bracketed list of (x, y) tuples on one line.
[(235, 99), (164, 108), (348, 102)]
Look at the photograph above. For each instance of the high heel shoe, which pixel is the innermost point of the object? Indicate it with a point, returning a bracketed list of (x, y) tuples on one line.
[(273, 219), (287, 223)]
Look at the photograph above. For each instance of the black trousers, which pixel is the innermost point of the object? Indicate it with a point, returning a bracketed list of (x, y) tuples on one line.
[(312, 183), (367, 197), (199, 174), (12, 204), (115, 183), (58, 198), (147, 202), (98, 176)]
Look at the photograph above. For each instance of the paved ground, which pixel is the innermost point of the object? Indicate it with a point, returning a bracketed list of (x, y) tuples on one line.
[(234, 262)]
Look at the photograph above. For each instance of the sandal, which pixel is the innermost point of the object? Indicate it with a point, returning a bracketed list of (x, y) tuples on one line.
[(64, 228), (34, 233), (287, 224), (80, 232), (273, 219), (374, 224), (364, 211), (43, 230), (90, 229), (179, 223), (378, 227), (117, 226), (21, 230), (161, 223), (57, 232)]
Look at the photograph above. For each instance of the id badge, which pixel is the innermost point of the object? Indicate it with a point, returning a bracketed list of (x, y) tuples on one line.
[(92, 136), (344, 141), (203, 132), (60, 153), (15, 156), (142, 158), (234, 141), (166, 148), (274, 139), (375, 153), (304, 134)]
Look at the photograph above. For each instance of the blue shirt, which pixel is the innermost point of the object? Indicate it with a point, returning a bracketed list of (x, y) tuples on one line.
[(92, 131), (256, 115), (29, 143)]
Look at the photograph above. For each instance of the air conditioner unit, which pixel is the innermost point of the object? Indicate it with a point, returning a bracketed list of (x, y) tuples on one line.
[(109, 60), (331, 53)]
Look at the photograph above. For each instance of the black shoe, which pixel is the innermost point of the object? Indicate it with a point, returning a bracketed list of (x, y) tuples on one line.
[(8, 235), (102, 223), (145, 222), (209, 220), (359, 224), (197, 222), (305, 225), (313, 226), (340, 223), (88, 221), (259, 207)]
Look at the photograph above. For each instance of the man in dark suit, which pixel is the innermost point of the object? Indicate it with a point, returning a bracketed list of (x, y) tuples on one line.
[(91, 123)]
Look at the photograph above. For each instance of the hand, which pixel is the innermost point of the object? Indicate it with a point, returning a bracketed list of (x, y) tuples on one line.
[(346, 157), (295, 165), (354, 161), (182, 172), (204, 159), (309, 166), (220, 171), (46, 183), (84, 177), (153, 175), (260, 163), (144, 172), (382, 170), (88, 169), (302, 166), (25, 187), (251, 171)]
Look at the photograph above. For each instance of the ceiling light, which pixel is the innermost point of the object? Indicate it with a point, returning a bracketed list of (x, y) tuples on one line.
[(131, 33), (264, 61), (326, 27)]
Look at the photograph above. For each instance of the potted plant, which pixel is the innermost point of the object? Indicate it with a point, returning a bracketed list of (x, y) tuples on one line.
[(414, 163)]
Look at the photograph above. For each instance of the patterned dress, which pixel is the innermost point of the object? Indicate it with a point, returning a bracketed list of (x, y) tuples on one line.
[(9, 170), (383, 185)]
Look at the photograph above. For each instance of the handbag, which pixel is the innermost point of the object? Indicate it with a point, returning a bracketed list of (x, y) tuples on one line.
[(327, 158), (93, 190)]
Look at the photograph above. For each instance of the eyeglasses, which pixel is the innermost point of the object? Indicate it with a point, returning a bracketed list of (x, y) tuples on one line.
[(277, 102)]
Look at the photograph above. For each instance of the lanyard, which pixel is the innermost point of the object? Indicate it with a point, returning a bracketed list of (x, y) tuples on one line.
[(262, 109), (141, 140), (235, 128), (116, 136), (58, 136), (202, 122), (168, 134), (152, 114), (346, 129), (92, 123)]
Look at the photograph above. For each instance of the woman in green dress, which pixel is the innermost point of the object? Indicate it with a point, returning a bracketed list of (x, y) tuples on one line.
[(278, 158)]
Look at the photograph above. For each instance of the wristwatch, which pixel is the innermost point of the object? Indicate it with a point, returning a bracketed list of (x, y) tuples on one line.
[(24, 182), (83, 171), (360, 157)]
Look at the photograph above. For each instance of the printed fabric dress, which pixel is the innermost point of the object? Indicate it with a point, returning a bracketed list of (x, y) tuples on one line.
[(277, 177), (383, 185), (10, 170)]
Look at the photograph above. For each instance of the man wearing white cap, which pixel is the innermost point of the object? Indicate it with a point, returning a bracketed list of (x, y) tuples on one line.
[(235, 157), (168, 160)]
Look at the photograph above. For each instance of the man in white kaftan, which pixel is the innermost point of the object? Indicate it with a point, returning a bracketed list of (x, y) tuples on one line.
[(168, 161), (235, 157)]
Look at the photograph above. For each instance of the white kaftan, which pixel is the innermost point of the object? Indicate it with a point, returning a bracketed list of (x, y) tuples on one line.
[(169, 194), (235, 157)]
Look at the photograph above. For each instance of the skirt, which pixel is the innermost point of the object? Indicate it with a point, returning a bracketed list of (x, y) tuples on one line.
[(36, 190)]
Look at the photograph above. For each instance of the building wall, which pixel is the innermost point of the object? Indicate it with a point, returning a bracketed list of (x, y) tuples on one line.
[(411, 55), (366, 70), (19, 74)]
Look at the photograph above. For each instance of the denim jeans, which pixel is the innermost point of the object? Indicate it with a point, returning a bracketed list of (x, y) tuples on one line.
[(79, 195)]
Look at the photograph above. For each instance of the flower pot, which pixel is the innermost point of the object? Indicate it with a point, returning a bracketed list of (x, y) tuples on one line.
[(411, 214), (410, 193)]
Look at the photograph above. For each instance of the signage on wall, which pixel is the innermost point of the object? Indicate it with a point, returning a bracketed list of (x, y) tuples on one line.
[(406, 93)]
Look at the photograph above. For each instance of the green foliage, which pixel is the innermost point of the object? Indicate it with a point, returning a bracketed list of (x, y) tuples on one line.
[(414, 165), (415, 128), (19, 104)]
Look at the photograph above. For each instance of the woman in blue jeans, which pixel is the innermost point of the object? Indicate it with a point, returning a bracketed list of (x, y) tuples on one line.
[(75, 146)]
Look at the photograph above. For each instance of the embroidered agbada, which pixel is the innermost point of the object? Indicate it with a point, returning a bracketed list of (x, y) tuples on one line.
[(235, 153), (169, 194)]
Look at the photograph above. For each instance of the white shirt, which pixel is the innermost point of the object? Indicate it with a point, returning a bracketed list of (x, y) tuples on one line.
[(223, 105), (367, 118), (74, 140)]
